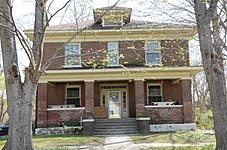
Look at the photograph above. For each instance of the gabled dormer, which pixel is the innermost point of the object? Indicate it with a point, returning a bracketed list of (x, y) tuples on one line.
[(114, 16)]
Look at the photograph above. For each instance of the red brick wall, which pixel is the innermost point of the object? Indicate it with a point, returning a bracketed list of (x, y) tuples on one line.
[(132, 101), (175, 53), (41, 106), (187, 101), (169, 91), (89, 99), (133, 52), (94, 52), (49, 50), (70, 117), (165, 115), (56, 92), (139, 98)]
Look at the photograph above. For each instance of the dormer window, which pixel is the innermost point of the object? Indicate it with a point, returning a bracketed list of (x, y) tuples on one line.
[(112, 20), (112, 16)]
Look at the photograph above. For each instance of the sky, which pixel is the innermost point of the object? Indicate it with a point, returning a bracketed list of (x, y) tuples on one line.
[(23, 11)]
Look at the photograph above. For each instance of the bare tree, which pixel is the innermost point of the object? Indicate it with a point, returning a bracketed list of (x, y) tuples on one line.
[(21, 95), (201, 95), (209, 18)]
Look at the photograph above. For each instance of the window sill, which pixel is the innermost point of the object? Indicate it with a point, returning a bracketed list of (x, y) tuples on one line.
[(117, 65), (163, 106), (72, 66), (153, 65), (76, 108)]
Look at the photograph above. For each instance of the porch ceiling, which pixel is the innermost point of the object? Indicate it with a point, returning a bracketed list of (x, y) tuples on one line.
[(119, 74)]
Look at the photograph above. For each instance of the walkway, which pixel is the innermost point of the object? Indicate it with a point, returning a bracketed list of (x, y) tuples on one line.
[(119, 143)]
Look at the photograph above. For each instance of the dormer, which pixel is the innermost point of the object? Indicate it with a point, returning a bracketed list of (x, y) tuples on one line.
[(113, 17)]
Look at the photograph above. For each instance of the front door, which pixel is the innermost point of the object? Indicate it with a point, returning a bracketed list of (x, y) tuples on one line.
[(114, 104)]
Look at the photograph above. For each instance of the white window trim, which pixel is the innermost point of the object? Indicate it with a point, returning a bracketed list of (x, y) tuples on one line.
[(111, 25), (156, 51), (69, 66), (153, 84), (72, 86), (117, 53)]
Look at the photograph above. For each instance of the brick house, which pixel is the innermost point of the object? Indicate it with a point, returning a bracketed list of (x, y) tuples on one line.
[(117, 68)]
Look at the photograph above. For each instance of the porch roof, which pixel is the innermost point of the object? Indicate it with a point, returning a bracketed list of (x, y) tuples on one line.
[(111, 74)]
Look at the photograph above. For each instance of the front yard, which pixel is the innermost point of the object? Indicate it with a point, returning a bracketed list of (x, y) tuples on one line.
[(179, 137), (62, 140), (56, 142)]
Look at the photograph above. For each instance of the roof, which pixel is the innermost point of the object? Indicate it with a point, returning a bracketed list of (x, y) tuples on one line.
[(134, 24), (115, 8)]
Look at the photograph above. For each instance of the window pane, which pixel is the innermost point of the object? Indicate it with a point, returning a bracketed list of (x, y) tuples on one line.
[(112, 20), (113, 58), (151, 46), (154, 94), (113, 54), (112, 46), (73, 93), (72, 49), (72, 60), (72, 54), (153, 58), (154, 90)]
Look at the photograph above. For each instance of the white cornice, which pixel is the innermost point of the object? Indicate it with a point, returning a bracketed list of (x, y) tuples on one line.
[(118, 74)]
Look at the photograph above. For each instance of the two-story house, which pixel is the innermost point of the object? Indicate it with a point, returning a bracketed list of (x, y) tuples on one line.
[(117, 68)]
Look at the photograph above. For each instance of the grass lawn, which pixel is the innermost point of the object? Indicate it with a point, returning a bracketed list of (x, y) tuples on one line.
[(180, 137), (208, 147), (62, 140)]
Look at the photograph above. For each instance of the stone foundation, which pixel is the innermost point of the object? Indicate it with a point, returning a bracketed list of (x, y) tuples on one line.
[(172, 127), (58, 130)]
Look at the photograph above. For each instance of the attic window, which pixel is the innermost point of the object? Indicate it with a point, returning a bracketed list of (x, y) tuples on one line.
[(112, 20)]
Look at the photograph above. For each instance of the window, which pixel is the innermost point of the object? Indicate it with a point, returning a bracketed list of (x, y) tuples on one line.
[(153, 54), (154, 93), (72, 55), (113, 59), (73, 96), (103, 98), (124, 99), (112, 20)]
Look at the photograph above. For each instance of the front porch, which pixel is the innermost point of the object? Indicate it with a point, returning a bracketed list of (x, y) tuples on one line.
[(69, 102), (151, 95)]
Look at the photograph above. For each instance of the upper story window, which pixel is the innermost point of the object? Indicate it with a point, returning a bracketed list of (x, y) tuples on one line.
[(153, 53), (72, 55), (154, 93), (112, 20), (113, 55), (73, 96)]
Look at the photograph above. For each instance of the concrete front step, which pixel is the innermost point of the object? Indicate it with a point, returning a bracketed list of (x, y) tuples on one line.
[(116, 133), (118, 120), (114, 127), (118, 126)]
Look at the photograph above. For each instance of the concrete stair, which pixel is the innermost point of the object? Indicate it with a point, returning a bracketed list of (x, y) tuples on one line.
[(116, 126)]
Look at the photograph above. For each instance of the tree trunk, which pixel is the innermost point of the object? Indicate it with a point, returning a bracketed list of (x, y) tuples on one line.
[(213, 67), (19, 95), (20, 131)]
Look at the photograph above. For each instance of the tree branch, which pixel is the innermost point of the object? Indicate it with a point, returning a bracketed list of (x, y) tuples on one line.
[(48, 62)]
